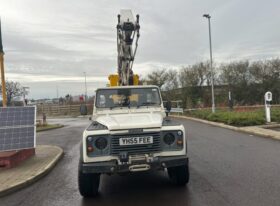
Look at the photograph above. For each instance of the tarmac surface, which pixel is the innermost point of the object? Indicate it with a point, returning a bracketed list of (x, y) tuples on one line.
[(226, 168)]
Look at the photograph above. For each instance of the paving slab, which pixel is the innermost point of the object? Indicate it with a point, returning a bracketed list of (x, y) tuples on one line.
[(266, 132), (30, 170)]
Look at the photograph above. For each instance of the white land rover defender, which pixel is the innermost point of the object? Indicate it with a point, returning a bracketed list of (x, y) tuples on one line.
[(130, 133)]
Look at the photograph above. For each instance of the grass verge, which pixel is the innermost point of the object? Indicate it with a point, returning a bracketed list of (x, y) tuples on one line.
[(48, 127), (244, 118)]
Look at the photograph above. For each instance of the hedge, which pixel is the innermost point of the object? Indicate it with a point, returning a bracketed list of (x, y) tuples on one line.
[(248, 118)]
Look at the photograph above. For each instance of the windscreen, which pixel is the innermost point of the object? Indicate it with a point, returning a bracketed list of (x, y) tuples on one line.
[(127, 97)]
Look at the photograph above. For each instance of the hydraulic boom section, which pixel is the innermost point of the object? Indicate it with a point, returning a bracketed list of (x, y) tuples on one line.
[(127, 30)]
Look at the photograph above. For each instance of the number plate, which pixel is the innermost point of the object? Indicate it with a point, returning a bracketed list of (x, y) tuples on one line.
[(136, 140)]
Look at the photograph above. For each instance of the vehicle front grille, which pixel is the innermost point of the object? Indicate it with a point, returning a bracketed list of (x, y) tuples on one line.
[(136, 149)]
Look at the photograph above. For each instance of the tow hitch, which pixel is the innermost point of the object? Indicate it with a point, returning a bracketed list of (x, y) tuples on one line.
[(138, 168)]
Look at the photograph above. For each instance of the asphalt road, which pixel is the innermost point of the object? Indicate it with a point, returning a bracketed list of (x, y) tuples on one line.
[(226, 167)]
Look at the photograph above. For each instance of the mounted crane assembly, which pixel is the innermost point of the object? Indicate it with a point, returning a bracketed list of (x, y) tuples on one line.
[(127, 32)]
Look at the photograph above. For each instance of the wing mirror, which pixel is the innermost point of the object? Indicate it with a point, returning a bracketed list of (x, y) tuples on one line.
[(167, 108)]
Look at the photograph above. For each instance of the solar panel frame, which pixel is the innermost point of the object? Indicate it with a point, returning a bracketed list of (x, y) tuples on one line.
[(17, 128)]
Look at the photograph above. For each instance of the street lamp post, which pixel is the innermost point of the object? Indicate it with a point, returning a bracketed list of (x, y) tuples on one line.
[(85, 87), (211, 63)]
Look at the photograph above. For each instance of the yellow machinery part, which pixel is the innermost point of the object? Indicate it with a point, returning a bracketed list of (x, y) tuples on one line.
[(114, 80), (135, 79)]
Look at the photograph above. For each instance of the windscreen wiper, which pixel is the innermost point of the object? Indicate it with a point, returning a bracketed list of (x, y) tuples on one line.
[(147, 104), (119, 106)]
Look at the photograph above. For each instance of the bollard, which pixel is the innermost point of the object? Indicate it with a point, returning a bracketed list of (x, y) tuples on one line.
[(267, 100), (44, 119)]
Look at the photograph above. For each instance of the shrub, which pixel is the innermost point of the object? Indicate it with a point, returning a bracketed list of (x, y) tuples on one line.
[(275, 115)]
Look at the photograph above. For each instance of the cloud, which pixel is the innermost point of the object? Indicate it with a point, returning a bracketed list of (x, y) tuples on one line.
[(49, 43)]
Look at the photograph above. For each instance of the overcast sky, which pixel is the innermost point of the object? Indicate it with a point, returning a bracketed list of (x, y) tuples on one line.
[(48, 44)]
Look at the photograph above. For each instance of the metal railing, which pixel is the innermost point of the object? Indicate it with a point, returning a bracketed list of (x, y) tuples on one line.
[(176, 106)]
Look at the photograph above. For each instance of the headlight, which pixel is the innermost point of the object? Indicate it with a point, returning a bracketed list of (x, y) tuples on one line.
[(172, 140), (169, 138), (98, 145), (101, 143)]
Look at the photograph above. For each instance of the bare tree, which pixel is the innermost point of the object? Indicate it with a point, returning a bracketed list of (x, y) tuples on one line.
[(237, 77), (247, 81), (193, 80), (195, 75), (171, 80), (158, 77), (266, 77), (171, 85), (188, 77), (13, 89)]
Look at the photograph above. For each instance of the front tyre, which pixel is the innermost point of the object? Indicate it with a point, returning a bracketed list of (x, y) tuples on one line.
[(88, 183), (179, 175)]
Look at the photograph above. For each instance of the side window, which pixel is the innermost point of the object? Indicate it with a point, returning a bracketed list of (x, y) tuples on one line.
[(155, 97), (152, 96)]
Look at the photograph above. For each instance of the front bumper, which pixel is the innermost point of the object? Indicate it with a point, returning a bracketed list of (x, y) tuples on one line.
[(113, 166)]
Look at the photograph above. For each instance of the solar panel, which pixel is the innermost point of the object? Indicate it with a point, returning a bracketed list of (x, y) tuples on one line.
[(17, 128), (17, 116)]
